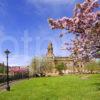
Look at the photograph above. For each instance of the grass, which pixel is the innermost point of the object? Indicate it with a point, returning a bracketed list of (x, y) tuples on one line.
[(70, 87)]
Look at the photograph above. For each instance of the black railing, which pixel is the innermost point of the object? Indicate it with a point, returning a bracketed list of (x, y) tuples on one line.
[(3, 78)]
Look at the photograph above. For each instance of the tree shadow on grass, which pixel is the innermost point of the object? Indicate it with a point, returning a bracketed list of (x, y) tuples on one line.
[(97, 86)]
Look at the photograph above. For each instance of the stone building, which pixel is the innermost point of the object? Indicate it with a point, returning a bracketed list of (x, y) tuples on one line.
[(50, 61), (55, 60)]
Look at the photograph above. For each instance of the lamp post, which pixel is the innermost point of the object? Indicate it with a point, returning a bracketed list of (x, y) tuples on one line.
[(7, 52)]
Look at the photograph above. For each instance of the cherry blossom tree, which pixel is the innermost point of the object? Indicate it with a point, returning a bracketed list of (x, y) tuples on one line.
[(85, 25)]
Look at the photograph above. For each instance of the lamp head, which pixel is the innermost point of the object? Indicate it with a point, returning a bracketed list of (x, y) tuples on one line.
[(7, 52)]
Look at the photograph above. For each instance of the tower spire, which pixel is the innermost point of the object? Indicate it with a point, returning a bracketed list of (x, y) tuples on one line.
[(50, 50)]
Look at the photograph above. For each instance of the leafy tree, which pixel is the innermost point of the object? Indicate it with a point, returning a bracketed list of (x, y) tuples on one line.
[(92, 66), (60, 68), (99, 63), (40, 65), (1, 69), (34, 66)]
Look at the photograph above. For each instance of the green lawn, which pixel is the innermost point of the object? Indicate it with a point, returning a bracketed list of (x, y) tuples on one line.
[(71, 87)]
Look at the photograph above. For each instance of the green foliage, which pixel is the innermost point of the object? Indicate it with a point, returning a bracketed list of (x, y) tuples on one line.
[(92, 66), (70, 87), (35, 65), (1, 69), (98, 52), (99, 63), (60, 68), (41, 65)]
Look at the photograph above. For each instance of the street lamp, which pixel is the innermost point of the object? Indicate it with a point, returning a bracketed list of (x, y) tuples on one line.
[(7, 52)]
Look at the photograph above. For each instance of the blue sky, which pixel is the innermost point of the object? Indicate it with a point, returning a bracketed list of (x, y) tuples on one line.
[(24, 29)]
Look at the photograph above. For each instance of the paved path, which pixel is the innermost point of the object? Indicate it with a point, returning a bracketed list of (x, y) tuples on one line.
[(3, 85)]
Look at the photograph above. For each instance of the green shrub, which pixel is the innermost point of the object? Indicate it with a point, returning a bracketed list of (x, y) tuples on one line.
[(60, 68), (92, 67)]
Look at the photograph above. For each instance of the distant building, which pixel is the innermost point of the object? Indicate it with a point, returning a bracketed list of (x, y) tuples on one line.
[(50, 55)]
